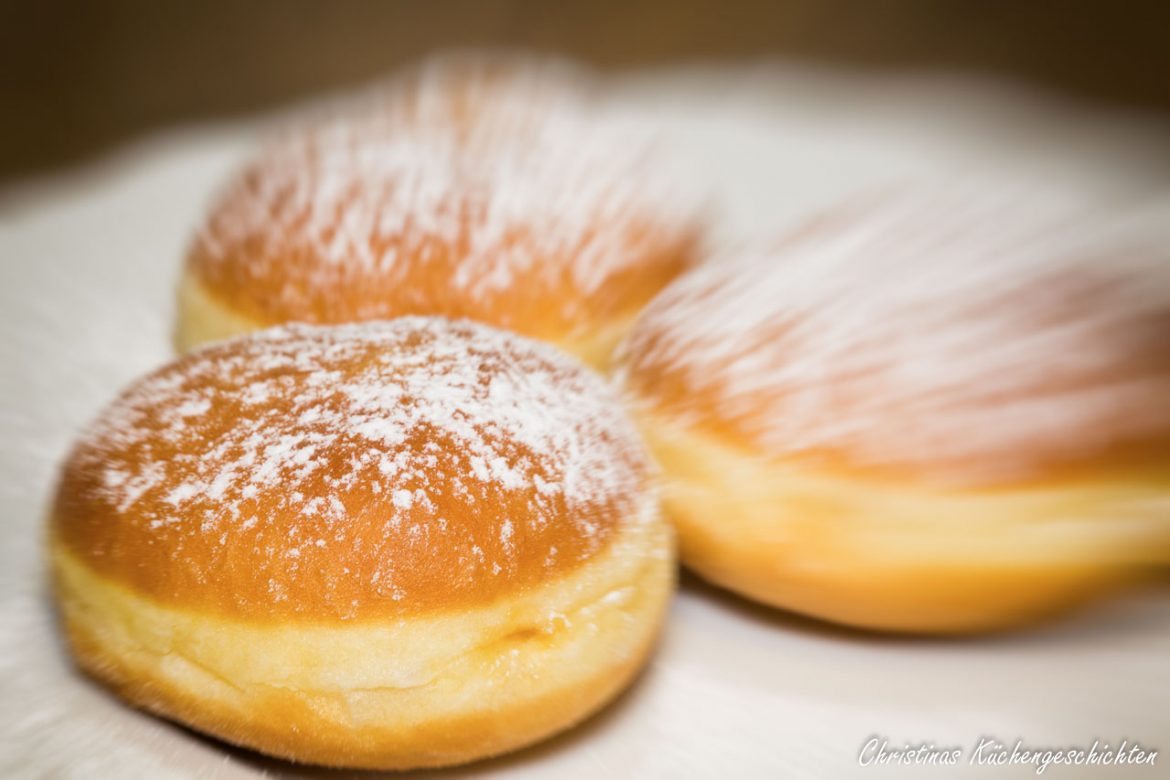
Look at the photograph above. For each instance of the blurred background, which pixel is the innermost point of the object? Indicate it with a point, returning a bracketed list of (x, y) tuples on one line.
[(81, 77)]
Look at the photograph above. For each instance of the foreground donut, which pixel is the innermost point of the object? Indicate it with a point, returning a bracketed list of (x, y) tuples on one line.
[(488, 190), (937, 411), (388, 545)]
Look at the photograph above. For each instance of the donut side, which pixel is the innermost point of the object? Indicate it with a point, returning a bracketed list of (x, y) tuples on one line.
[(890, 555), (444, 689)]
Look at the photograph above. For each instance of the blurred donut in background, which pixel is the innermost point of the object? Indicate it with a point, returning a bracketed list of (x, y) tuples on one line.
[(489, 188), (939, 409)]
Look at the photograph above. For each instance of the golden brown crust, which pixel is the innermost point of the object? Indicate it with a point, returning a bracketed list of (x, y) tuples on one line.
[(352, 472), (941, 410), (203, 318), (429, 691), (880, 553), (487, 193), (942, 336)]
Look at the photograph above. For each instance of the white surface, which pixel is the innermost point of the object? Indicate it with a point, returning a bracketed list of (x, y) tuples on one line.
[(87, 265)]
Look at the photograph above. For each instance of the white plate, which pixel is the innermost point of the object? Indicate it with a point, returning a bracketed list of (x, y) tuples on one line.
[(87, 265)]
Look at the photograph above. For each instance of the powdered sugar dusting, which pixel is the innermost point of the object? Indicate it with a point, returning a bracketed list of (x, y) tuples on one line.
[(424, 438), (506, 185), (974, 334)]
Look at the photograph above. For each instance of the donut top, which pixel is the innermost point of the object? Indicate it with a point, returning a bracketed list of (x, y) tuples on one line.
[(477, 95), (489, 194), (342, 472), (951, 333)]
